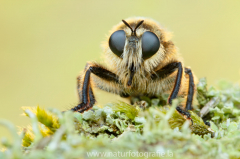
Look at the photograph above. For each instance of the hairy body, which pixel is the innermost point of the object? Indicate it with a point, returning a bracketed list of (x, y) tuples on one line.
[(137, 70)]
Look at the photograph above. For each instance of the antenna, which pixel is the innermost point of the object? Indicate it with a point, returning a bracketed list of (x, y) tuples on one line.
[(133, 31)]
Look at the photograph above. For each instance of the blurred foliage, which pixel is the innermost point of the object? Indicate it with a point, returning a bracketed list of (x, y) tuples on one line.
[(120, 127)]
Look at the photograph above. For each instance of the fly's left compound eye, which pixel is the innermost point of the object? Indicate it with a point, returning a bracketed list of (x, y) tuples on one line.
[(150, 44), (117, 42)]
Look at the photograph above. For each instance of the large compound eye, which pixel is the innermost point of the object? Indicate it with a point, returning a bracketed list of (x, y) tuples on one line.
[(150, 44), (117, 42)]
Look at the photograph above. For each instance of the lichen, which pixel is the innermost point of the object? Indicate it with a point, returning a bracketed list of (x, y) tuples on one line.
[(147, 126)]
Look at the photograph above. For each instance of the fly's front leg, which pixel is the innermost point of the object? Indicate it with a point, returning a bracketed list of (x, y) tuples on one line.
[(79, 89), (85, 93), (176, 89), (177, 84), (190, 94), (168, 70), (84, 85)]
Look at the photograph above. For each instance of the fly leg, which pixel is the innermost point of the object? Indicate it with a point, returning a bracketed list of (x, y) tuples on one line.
[(85, 82)]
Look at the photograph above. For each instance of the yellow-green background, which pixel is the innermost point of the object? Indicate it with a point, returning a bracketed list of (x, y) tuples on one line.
[(45, 44)]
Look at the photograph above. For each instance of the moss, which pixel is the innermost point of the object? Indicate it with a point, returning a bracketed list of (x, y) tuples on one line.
[(144, 127)]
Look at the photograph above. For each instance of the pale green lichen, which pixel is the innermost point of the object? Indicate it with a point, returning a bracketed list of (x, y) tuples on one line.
[(227, 104), (120, 127)]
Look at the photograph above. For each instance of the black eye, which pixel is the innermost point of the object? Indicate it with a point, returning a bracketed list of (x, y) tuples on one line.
[(150, 44), (117, 42)]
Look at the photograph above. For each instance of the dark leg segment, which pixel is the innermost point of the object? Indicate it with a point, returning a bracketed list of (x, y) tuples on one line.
[(168, 70), (92, 98), (190, 89), (104, 74), (181, 111), (177, 85), (86, 94), (184, 113), (85, 89), (165, 71)]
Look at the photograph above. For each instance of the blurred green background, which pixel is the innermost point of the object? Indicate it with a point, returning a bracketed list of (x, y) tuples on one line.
[(45, 44)]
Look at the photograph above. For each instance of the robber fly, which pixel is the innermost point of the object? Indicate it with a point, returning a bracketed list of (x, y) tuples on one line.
[(142, 60)]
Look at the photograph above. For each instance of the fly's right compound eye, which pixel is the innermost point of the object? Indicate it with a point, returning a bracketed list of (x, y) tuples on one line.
[(117, 42), (150, 44)]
